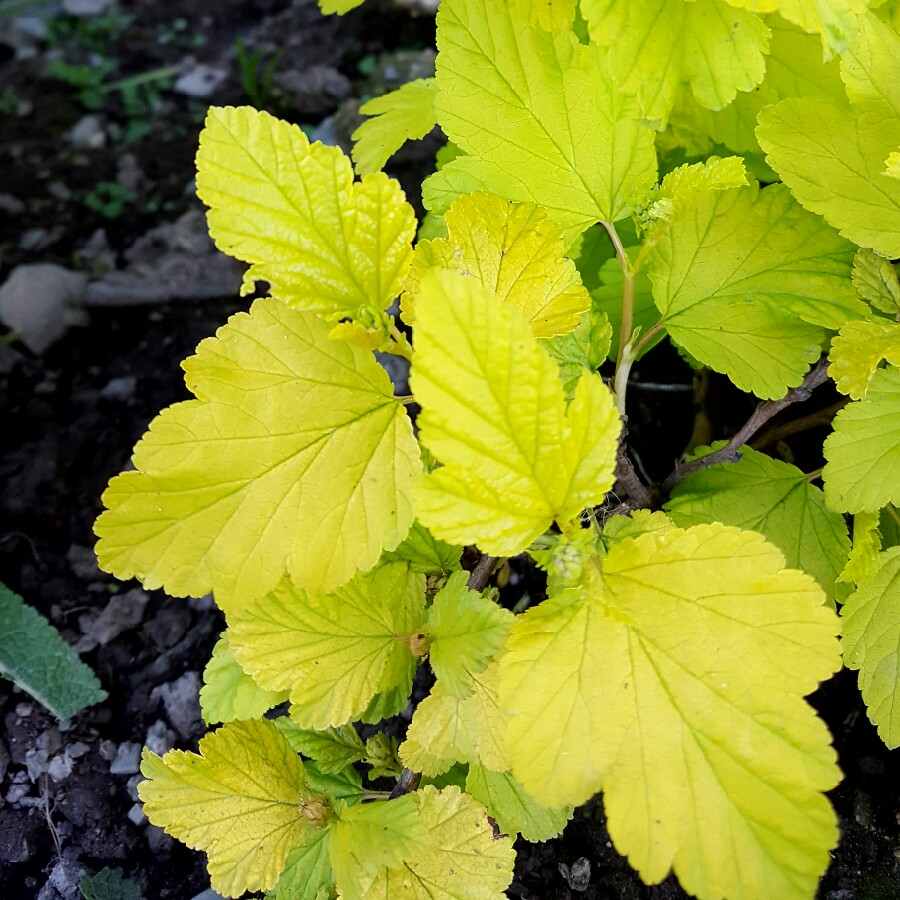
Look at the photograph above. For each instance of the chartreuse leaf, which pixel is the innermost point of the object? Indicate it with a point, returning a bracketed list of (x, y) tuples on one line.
[(460, 856), (333, 749), (515, 251), (338, 6), (871, 620), (835, 20), (831, 153), (762, 494), (445, 730), (425, 553), (344, 785), (308, 869), (34, 655), (745, 280), (552, 15), (406, 114), (295, 454), (656, 45), (863, 561), (371, 836), (334, 652), (512, 809), (892, 165), (862, 473), (858, 351), (466, 630), (876, 282), (538, 117), (229, 693), (701, 647), (293, 211), (243, 800), (515, 458)]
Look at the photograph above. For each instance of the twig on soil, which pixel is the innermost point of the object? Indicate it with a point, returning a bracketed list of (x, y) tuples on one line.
[(765, 411), (45, 806), (408, 780)]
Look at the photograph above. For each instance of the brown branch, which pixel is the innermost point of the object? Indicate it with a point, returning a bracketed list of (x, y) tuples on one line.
[(637, 493), (765, 411), (814, 420), (479, 574)]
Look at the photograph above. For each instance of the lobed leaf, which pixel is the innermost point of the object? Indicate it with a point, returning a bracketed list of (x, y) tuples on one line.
[(333, 749), (295, 455), (293, 211), (857, 352), (700, 647), (243, 800), (515, 458)]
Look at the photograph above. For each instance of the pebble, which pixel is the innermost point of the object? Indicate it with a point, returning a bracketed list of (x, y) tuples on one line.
[(127, 760), (83, 562), (137, 816), (40, 302), (121, 389), (88, 133), (160, 738), (201, 81), (122, 613), (86, 8), (180, 701)]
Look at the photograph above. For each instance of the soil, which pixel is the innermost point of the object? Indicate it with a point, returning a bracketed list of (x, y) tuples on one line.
[(71, 416)]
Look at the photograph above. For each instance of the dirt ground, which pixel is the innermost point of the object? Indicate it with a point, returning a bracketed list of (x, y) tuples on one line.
[(96, 176)]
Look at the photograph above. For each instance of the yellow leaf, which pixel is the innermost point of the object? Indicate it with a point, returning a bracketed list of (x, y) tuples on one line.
[(515, 251), (246, 823), (293, 211), (515, 459), (857, 352), (295, 455), (445, 729), (460, 857), (551, 15), (334, 652), (673, 679)]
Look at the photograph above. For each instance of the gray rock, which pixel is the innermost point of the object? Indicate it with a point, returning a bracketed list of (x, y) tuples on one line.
[(65, 878), (208, 894), (160, 738), (11, 205), (578, 875), (86, 8), (201, 81), (127, 760), (124, 611), (88, 133), (60, 767), (137, 816), (41, 302), (180, 700), (316, 91), (158, 841), (120, 388), (83, 562)]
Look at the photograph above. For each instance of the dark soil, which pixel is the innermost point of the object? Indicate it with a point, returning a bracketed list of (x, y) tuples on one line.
[(71, 416)]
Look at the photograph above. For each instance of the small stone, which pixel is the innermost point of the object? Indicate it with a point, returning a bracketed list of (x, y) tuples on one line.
[(88, 133), (66, 876), (11, 205), (201, 81), (158, 841), (121, 389), (316, 91), (180, 699), (208, 894), (85, 8), (60, 767), (578, 875), (40, 302), (24, 710), (108, 750), (132, 786), (83, 562), (137, 816), (127, 760), (77, 749), (160, 738), (124, 611)]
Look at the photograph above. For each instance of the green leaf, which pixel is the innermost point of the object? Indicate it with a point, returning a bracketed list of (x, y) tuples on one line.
[(334, 652), (372, 835), (246, 773), (446, 729), (538, 117), (466, 629), (308, 869), (515, 251), (876, 282), (656, 45), (333, 749), (863, 561), (871, 620), (745, 280), (701, 646), (857, 352), (295, 454), (425, 553), (832, 153), (109, 884), (512, 809), (38, 660), (762, 494), (460, 857), (406, 114), (584, 349), (293, 211), (863, 453), (381, 755), (515, 458), (229, 693), (345, 785)]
